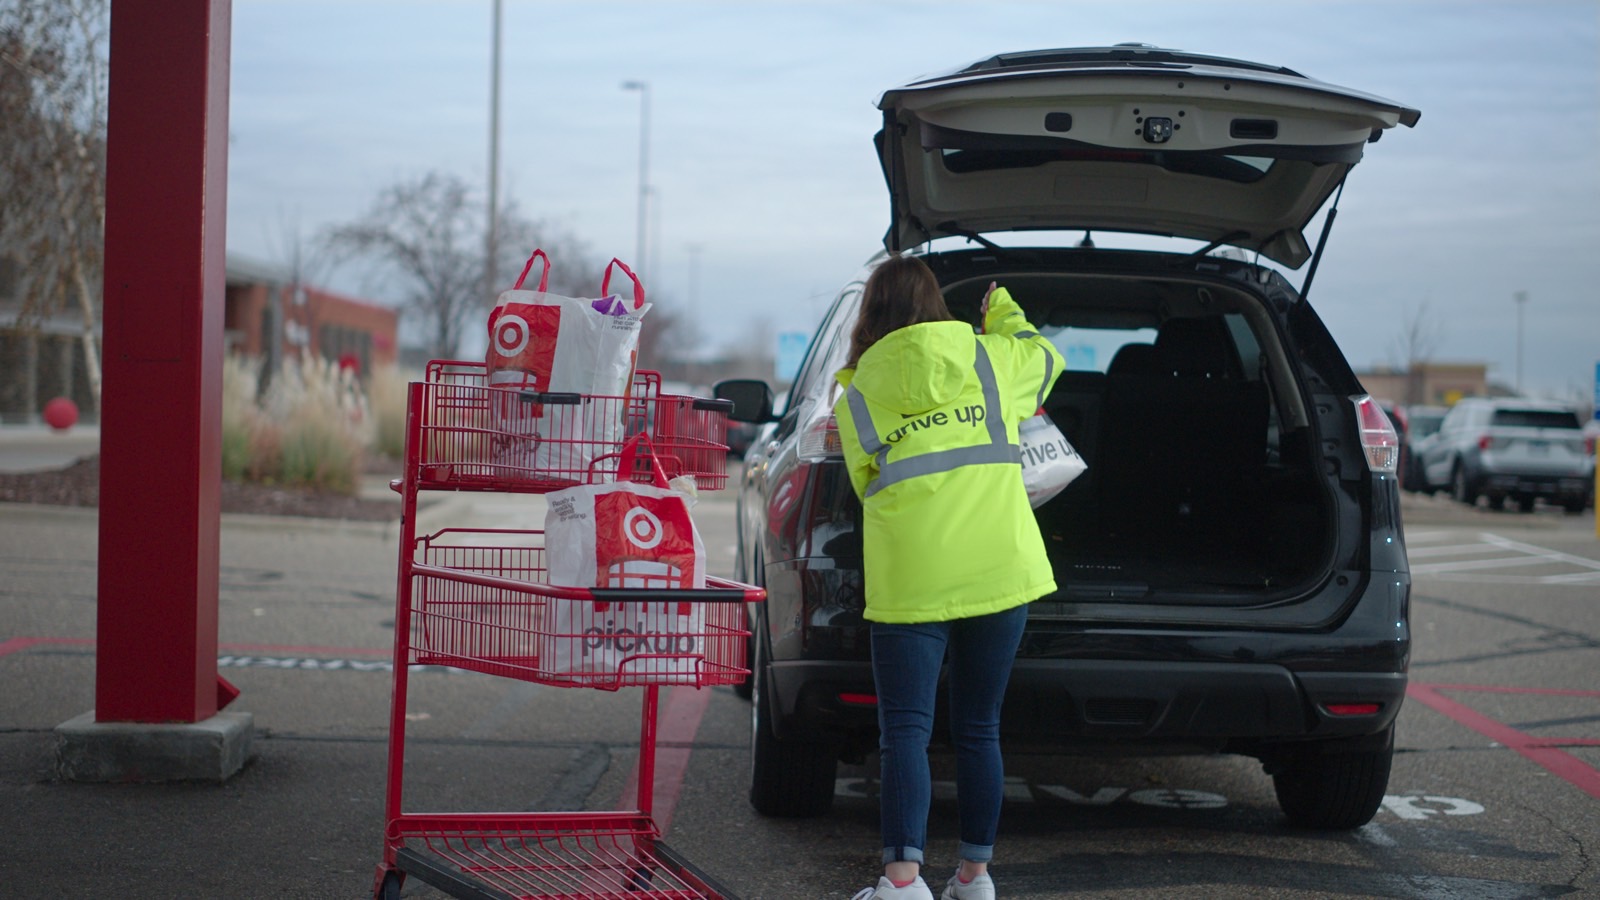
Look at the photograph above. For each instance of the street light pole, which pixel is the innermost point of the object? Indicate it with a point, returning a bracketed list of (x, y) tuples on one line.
[(1521, 297), (644, 168), (492, 239), (694, 277)]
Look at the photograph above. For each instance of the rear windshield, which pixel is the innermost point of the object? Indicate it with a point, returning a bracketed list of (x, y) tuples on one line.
[(1242, 169), (1092, 349), (1533, 418)]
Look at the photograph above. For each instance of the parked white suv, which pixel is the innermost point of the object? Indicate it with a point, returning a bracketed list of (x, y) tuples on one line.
[(1509, 448)]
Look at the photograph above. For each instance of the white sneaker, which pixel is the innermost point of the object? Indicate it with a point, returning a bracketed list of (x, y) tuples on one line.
[(916, 890), (980, 888)]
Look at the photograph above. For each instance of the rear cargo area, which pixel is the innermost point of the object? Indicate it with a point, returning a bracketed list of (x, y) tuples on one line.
[(1203, 478)]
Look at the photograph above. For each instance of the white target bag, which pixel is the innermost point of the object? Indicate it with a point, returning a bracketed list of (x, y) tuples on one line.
[(1049, 462), (542, 343), (631, 536)]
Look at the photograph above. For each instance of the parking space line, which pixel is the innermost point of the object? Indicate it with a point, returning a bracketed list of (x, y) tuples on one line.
[(1542, 552), (1528, 556), (1574, 578), (15, 645), (1499, 562), (1449, 549), (1423, 537), (1540, 751), (676, 727)]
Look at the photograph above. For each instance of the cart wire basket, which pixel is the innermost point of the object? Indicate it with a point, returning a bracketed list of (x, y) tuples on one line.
[(481, 437), (480, 600), (552, 856)]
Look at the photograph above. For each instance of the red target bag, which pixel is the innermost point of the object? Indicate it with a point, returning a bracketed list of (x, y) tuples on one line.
[(624, 535), (543, 342)]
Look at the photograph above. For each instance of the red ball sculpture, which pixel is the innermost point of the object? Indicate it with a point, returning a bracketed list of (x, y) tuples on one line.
[(60, 413)]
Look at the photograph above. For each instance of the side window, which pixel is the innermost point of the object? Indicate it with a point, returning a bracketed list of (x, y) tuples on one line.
[(825, 355)]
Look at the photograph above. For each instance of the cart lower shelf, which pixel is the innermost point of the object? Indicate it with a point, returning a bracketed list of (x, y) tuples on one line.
[(546, 856)]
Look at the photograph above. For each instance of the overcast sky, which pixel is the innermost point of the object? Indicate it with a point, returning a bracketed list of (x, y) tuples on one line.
[(762, 116)]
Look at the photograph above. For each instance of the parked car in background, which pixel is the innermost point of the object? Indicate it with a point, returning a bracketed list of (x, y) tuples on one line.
[(1231, 571), (1421, 424), (740, 436), (1510, 449)]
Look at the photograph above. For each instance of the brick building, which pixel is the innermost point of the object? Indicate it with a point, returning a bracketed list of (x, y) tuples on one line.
[(267, 317), (1433, 383), (264, 316)]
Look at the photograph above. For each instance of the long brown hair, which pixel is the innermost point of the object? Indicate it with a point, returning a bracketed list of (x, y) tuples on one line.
[(902, 291)]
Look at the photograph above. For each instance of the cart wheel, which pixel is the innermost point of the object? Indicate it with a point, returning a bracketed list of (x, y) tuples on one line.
[(390, 888), (641, 879)]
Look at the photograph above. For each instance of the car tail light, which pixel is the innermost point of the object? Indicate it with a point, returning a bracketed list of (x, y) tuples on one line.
[(1378, 439), (850, 699), (821, 440), (1485, 443), (1588, 445)]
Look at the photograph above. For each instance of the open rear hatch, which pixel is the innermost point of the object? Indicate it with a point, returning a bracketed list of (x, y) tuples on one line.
[(1128, 138)]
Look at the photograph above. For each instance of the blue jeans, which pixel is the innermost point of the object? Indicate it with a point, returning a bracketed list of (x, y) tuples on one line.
[(905, 663)]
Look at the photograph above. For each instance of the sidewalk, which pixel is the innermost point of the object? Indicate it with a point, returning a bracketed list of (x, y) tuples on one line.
[(37, 448)]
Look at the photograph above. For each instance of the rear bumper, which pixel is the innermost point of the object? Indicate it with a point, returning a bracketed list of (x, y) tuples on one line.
[(1062, 702), (1536, 485)]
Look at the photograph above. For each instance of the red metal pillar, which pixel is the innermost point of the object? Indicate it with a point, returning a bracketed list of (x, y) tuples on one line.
[(161, 410)]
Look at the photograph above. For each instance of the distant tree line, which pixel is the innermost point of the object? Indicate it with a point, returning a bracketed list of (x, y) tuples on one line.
[(424, 238), (428, 240), (53, 89)]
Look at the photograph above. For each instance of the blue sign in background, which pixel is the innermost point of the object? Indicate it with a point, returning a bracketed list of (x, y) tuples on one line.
[(791, 352)]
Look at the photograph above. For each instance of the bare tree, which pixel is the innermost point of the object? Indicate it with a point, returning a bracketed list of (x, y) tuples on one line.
[(53, 88), (429, 234), (1419, 338)]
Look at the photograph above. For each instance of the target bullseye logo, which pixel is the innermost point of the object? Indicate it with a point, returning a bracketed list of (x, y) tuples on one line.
[(511, 334), (642, 528)]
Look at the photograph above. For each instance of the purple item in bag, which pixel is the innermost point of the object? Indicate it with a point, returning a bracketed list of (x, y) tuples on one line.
[(610, 306)]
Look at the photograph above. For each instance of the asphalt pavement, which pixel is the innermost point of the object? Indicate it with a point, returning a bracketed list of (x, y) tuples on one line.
[(304, 817)]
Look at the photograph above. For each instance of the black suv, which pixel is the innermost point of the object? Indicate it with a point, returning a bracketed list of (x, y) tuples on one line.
[(1231, 568)]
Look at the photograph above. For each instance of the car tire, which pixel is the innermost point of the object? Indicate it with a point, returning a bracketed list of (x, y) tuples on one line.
[(789, 779), (1575, 506), (1460, 489), (1525, 504), (1332, 789), (1497, 501)]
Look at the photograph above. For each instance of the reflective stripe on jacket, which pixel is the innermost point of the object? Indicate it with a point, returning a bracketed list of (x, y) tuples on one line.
[(928, 420)]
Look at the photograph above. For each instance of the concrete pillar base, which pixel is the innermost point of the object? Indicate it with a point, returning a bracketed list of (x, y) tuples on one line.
[(212, 750)]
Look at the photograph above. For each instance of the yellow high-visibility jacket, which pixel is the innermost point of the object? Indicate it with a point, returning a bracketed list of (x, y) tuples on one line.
[(928, 420)]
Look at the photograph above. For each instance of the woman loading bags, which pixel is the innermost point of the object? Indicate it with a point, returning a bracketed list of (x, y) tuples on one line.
[(928, 420)]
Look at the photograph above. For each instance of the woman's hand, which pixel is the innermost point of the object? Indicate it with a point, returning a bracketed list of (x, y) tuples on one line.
[(983, 311)]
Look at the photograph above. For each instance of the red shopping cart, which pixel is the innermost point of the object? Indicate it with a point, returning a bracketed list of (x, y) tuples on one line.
[(475, 436), (479, 600)]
